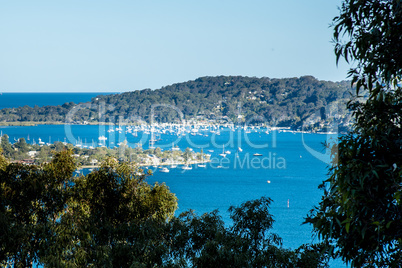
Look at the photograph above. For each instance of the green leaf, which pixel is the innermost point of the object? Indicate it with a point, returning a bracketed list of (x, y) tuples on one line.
[(347, 227)]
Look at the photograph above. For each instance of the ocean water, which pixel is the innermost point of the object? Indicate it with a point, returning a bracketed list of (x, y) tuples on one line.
[(11, 100), (289, 170)]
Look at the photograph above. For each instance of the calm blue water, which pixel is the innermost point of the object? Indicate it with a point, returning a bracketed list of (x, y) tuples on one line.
[(286, 171), (294, 174), (11, 100)]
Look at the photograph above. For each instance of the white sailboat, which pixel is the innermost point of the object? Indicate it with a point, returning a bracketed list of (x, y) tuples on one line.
[(164, 170), (175, 148), (223, 154), (187, 167), (152, 140), (202, 165)]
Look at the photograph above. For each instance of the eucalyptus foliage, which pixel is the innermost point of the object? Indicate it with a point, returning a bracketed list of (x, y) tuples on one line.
[(361, 211), (373, 41), (113, 218), (51, 217)]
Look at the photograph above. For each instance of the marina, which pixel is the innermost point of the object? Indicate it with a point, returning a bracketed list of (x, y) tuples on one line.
[(223, 181)]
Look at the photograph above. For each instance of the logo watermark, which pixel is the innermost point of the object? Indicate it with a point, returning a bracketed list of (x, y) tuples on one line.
[(213, 136), (328, 152)]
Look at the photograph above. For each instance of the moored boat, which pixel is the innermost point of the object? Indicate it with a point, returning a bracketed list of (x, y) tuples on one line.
[(187, 167), (164, 170)]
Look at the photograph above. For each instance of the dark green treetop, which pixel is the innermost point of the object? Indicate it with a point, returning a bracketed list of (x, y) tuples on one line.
[(361, 210)]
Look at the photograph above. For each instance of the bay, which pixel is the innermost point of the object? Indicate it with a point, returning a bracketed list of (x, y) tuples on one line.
[(286, 171)]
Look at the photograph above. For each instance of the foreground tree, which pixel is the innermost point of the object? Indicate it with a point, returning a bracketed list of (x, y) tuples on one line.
[(361, 210), (112, 217), (31, 198), (51, 217), (6, 146), (205, 241)]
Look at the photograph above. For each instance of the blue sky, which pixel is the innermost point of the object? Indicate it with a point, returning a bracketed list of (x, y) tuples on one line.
[(117, 46)]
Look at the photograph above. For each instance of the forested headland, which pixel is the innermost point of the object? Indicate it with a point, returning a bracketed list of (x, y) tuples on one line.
[(286, 102)]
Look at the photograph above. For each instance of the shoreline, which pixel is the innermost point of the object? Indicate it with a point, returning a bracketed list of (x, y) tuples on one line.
[(160, 164), (34, 123)]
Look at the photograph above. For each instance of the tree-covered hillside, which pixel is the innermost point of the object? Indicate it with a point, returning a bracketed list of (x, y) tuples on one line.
[(282, 102)]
